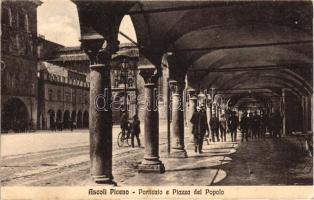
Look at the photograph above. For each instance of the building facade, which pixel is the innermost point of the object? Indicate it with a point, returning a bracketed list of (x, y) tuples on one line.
[(63, 99), (19, 65)]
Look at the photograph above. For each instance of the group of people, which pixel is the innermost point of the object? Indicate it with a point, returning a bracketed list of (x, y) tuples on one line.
[(132, 128), (250, 125), (256, 126), (59, 125), (200, 127)]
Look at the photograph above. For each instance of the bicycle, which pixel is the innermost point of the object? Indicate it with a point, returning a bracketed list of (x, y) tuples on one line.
[(123, 139)]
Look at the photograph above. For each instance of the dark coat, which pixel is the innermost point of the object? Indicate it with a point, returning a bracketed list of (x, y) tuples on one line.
[(136, 127), (199, 121), (124, 122), (233, 123), (244, 122), (214, 123)]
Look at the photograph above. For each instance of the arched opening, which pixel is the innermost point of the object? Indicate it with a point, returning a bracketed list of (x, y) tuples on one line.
[(85, 120), (73, 116), (66, 119), (14, 116), (127, 27), (79, 119), (51, 123)]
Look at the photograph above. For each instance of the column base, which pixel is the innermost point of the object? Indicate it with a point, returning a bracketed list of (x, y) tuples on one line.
[(151, 168), (104, 180), (178, 153)]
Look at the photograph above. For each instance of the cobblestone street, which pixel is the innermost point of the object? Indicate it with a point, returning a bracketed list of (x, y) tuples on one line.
[(65, 161)]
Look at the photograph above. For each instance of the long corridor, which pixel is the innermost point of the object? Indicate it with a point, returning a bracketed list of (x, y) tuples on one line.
[(269, 162)]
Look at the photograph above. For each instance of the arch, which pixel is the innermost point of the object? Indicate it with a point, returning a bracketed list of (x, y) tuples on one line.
[(85, 119), (66, 119), (14, 116), (79, 119), (51, 122), (59, 116), (73, 116)]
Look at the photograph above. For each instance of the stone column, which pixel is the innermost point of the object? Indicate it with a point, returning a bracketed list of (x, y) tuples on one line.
[(306, 103), (151, 162), (283, 96), (177, 123), (100, 115), (311, 113), (192, 108)]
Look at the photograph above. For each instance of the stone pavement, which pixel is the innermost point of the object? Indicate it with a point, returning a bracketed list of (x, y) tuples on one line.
[(258, 162), (197, 169)]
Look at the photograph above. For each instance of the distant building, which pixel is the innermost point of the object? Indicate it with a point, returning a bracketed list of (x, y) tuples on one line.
[(44, 84), (63, 95), (19, 65)]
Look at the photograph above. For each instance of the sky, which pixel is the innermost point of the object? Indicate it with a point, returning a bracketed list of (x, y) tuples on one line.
[(58, 22)]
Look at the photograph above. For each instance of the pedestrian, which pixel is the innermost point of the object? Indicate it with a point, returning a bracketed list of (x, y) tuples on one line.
[(233, 123), (263, 125), (244, 127), (214, 127), (256, 125), (71, 125), (223, 127), (74, 124), (271, 125), (200, 126), (276, 121), (124, 125), (250, 126), (136, 130)]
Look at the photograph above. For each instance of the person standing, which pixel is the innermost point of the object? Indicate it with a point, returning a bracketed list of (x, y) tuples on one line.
[(250, 126), (276, 121), (256, 125), (124, 125), (135, 131), (233, 124), (223, 127), (244, 127), (263, 125), (214, 127), (200, 126)]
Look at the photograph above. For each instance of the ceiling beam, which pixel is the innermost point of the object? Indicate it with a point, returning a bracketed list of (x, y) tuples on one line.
[(244, 46), (250, 68), (183, 8)]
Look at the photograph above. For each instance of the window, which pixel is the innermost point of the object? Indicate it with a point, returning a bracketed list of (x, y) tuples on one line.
[(67, 96), (73, 95), (50, 94), (17, 38), (160, 86), (59, 95), (26, 24), (21, 21), (17, 19), (6, 16)]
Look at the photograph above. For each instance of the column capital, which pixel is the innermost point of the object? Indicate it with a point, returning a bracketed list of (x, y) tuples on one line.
[(149, 75), (176, 86), (192, 93), (98, 49)]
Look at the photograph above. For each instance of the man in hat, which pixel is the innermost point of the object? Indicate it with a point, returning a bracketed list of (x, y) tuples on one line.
[(214, 127), (233, 123), (244, 126), (200, 126)]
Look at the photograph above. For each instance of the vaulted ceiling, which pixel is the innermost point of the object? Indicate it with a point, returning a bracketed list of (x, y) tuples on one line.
[(223, 45)]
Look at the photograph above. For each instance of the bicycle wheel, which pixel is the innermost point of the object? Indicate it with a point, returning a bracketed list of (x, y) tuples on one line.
[(120, 139)]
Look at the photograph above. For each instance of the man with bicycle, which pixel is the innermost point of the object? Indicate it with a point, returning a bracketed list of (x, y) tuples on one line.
[(124, 125)]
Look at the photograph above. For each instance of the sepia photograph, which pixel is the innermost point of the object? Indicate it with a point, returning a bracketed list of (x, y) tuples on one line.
[(178, 98)]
